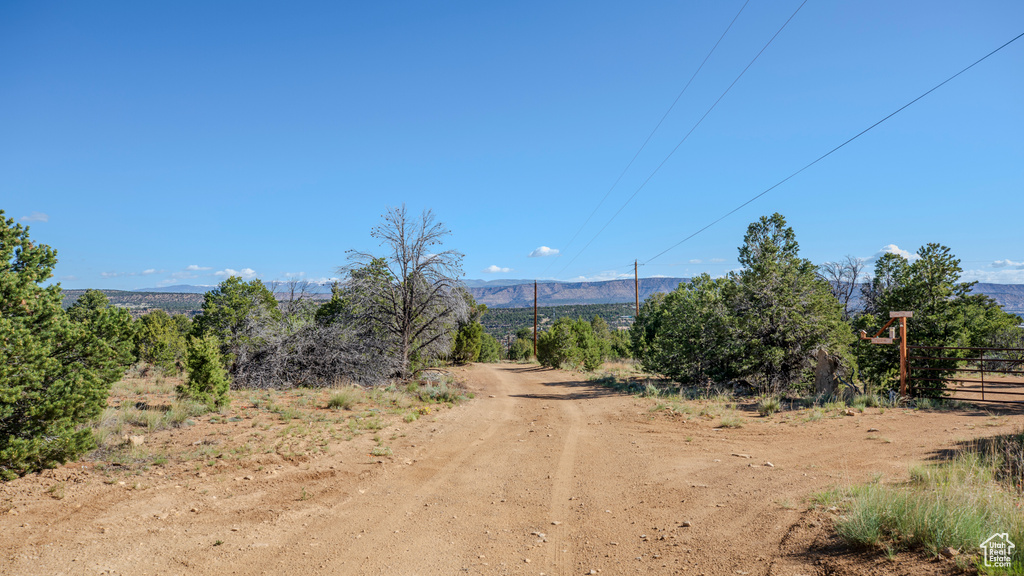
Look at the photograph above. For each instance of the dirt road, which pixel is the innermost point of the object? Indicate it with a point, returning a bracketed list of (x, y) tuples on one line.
[(540, 474)]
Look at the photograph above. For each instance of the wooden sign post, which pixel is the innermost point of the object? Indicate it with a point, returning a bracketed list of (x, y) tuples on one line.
[(904, 368)]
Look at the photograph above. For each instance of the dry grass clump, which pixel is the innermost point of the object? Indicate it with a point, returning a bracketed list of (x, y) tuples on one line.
[(955, 504)]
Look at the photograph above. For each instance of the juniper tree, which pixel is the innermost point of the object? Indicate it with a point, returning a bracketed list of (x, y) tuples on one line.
[(783, 309), (490, 350), (570, 342), (469, 338), (696, 341), (234, 312), (160, 339), (55, 373)]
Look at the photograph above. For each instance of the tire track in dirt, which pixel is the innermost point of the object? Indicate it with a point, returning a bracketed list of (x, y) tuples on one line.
[(416, 484), (560, 552)]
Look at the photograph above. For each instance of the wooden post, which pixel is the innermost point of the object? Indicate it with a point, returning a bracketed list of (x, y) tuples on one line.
[(903, 356), (535, 319), (904, 366), (636, 285)]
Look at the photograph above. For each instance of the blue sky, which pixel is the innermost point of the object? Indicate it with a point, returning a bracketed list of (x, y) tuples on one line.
[(178, 142)]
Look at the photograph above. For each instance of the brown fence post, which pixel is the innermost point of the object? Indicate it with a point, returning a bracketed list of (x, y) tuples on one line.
[(903, 357), (904, 367)]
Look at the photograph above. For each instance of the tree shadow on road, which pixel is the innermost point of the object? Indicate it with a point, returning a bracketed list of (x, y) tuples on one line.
[(571, 390)]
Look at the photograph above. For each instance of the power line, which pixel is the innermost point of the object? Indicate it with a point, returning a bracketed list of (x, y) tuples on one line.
[(649, 136), (673, 151), (829, 153)]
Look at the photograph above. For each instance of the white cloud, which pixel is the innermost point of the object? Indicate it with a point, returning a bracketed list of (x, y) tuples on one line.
[(1004, 276), (36, 217), (1008, 264), (325, 280), (110, 274), (197, 268), (492, 269), (894, 249), (149, 271), (601, 277), (696, 261), (244, 273), (716, 260), (294, 275), (543, 251)]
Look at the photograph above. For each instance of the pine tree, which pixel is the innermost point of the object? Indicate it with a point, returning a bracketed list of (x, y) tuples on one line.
[(207, 381), (55, 373)]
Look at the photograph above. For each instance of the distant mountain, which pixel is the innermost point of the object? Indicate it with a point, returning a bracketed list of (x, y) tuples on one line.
[(177, 289), (494, 293), (558, 294), (1009, 296), (470, 283), (278, 287)]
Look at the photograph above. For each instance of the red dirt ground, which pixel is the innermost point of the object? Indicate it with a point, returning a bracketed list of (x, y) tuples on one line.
[(541, 473)]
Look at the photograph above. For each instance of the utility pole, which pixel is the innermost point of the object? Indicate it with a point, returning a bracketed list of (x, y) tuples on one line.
[(534, 318), (636, 282)]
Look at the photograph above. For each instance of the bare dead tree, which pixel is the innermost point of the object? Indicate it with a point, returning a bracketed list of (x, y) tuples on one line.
[(412, 294), (843, 277)]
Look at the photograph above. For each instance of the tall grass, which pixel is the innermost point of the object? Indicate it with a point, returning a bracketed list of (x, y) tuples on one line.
[(769, 405), (439, 393), (959, 503), (345, 399)]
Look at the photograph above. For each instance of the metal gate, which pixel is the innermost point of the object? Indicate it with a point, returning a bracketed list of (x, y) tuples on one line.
[(969, 374)]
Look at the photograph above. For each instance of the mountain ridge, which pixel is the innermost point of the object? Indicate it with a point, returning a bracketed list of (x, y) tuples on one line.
[(506, 294)]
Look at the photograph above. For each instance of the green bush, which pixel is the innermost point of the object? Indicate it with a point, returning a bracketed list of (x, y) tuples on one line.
[(466, 347), (946, 313), (521, 349), (570, 342), (760, 324), (490, 350), (160, 340), (207, 381)]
